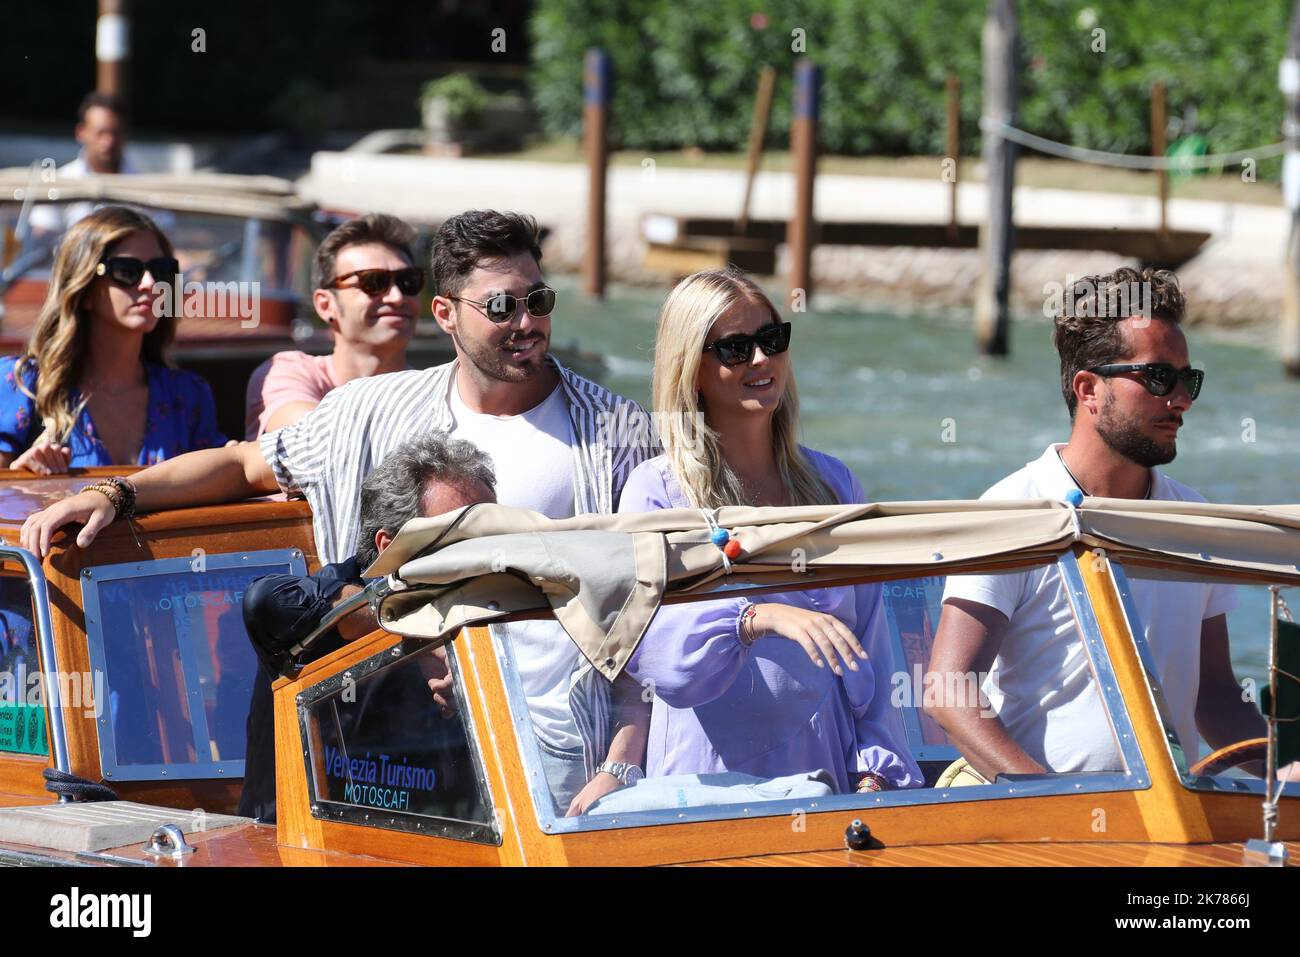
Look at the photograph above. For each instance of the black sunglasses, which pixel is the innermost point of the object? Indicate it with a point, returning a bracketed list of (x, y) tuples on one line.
[(127, 270), (377, 282), (1159, 378), (739, 349), (501, 307)]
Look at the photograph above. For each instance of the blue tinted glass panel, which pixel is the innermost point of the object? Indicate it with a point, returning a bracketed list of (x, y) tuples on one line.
[(178, 663), (383, 751)]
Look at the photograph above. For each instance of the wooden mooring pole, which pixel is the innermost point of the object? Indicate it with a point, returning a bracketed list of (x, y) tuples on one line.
[(953, 150), (757, 133), (597, 84), (1001, 43), (803, 146), (1159, 124), (112, 47), (1289, 81)]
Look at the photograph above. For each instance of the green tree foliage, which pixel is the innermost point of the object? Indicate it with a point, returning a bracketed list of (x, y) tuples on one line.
[(686, 70)]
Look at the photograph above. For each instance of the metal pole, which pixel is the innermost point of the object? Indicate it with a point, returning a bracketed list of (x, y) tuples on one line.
[(1270, 755), (1158, 127), (112, 47), (803, 146), (757, 132), (597, 87), (1289, 82), (954, 149), (1001, 72)]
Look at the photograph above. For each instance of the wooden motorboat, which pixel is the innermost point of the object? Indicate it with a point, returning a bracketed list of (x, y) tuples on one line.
[(152, 606)]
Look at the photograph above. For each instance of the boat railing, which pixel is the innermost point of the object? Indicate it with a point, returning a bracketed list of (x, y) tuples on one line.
[(39, 588)]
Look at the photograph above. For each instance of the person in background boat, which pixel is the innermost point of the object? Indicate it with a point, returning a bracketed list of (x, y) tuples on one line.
[(787, 683), (101, 133), (366, 290), (1127, 384), (559, 444), (430, 474), (93, 386)]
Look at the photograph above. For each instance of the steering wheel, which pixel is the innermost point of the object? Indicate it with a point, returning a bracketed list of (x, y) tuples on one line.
[(1232, 756)]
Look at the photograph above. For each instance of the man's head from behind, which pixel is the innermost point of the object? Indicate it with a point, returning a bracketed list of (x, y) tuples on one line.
[(366, 284), (483, 262), (427, 475), (101, 133), (1126, 318)]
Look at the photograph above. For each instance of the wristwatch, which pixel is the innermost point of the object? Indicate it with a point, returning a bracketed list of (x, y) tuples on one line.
[(626, 773)]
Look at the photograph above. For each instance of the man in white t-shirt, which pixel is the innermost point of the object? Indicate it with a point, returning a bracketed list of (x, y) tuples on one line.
[(511, 400), (101, 134), (1127, 382)]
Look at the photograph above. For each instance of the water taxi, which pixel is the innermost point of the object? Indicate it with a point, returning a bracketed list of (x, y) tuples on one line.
[(371, 771)]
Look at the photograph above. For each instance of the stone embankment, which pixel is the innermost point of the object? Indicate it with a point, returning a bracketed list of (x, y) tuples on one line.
[(1235, 281)]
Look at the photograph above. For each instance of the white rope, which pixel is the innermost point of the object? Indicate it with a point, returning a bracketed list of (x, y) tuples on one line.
[(1126, 160), (711, 518)]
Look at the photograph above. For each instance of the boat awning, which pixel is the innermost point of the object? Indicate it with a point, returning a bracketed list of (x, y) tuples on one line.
[(603, 576), (218, 194)]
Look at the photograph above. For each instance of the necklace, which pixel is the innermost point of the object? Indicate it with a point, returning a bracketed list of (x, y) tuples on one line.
[(1075, 480)]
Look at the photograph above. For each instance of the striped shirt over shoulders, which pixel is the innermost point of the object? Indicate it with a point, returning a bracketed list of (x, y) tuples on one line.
[(326, 455)]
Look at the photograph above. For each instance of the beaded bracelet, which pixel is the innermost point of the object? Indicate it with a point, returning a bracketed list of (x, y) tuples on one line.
[(120, 493)]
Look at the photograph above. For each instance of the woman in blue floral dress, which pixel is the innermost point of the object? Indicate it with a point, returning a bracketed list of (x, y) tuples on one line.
[(93, 386)]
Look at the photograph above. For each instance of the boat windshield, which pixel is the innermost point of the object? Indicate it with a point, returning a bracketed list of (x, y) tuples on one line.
[(389, 743), (167, 641), (1205, 645), (210, 248), (22, 712), (704, 725)]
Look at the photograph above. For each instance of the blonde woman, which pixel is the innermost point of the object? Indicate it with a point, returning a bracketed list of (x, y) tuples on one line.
[(787, 683), (92, 387)]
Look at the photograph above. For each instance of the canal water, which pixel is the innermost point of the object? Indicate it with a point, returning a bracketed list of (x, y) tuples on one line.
[(908, 404)]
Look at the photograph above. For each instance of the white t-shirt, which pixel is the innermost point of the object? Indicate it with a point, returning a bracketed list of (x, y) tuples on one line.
[(1041, 683), (52, 218), (532, 454)]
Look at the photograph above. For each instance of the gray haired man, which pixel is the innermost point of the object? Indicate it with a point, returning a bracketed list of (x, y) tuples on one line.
[(428, 475)]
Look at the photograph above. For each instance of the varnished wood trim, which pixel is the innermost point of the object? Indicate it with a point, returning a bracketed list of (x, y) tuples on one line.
[(295, 825), (1171, 812)]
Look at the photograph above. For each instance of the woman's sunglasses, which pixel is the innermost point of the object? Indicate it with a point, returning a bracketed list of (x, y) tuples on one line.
[(377, 282), (127, 270), (1159, 378), (502, 307), (739, 349)]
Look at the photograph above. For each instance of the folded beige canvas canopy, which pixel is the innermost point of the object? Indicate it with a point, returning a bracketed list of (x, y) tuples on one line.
[(604, 576)]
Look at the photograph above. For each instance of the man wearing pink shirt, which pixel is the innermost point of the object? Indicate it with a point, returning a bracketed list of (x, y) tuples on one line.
[(366, 290)]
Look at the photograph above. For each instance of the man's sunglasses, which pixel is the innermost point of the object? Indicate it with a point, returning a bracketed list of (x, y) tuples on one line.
[(1159, 378), (127, 270), (377, 282), (501, 307), (739, 349)]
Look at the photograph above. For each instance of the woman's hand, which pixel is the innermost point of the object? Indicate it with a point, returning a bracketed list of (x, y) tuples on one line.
[(44, 458), (822, 636), (93, 509)]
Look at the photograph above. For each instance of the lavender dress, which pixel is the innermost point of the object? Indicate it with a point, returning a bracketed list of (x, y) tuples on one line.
[(766, 710)]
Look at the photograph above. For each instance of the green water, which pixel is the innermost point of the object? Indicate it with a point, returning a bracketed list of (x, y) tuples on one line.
[(877, 390)]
